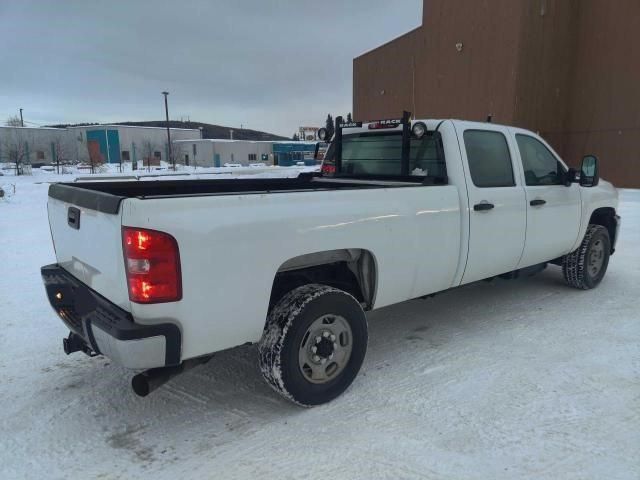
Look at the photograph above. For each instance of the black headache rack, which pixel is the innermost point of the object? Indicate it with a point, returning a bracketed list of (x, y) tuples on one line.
[(407, 134)]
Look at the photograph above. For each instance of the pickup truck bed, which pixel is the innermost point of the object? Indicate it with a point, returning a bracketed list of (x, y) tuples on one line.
[(106, 196), (227, 229)]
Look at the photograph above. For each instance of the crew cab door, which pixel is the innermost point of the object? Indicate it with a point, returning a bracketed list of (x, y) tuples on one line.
[(553, 209), (496, 202)]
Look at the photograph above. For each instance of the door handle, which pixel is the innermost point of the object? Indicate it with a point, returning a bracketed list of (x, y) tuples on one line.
[(537, 202), (480, 207)]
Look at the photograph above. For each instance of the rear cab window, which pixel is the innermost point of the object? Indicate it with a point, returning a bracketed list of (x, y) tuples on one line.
[(489, 158), (380, 155)]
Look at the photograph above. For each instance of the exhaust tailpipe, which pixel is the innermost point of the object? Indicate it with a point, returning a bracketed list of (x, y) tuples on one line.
[(146, 382)]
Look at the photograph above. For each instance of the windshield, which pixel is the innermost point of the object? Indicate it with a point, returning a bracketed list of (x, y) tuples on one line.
[(381, 154)]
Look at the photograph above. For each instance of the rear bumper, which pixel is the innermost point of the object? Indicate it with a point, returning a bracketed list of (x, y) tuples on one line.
[(106, 328)]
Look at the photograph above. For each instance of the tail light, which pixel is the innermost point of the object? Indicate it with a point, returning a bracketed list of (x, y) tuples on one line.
[(328, 169), (152, 263)]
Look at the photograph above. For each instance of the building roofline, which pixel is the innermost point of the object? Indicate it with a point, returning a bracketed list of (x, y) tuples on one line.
[(63, 129), (102, 125), (239, 140), (410, 32), (34, 128)]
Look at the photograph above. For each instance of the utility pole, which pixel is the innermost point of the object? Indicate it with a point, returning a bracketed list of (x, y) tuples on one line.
[(166, 111), (21, 120)]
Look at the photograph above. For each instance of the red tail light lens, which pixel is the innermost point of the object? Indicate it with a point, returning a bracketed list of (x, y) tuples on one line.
[(152, 263), (328, 169)]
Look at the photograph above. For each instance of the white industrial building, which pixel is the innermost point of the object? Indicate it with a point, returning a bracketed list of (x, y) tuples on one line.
[(126, 143), (142, 146), (106, 143), (33, 145), (218, 152)]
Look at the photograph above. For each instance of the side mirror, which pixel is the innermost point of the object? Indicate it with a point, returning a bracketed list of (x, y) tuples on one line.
[(589, 171)]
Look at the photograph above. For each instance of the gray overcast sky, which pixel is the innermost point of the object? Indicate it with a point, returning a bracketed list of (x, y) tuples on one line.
[(269, 65)]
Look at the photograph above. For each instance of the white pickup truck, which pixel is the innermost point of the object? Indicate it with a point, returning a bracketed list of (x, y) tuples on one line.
[(159, 275)]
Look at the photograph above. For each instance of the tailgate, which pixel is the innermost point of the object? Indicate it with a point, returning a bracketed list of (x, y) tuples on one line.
[(87, 240)]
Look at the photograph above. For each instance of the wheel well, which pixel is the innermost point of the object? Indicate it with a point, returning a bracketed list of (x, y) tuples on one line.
[(351, 270), (605, 216)]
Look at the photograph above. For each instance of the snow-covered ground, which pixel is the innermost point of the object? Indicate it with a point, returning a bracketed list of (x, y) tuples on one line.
[(508, 379)]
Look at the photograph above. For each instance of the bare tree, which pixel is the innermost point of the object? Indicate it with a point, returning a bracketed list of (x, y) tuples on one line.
[(148, 151), (13, 121), (16, 147), (179, 152), (96, 158), (61, 154)]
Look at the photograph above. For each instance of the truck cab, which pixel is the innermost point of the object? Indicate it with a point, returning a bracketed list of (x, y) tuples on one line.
[(521, 205)]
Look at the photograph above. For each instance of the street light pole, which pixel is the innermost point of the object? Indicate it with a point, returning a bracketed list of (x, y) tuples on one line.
[(166, 111), (21, 120)]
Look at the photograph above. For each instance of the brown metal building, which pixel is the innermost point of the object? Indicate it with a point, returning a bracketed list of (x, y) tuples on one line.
[(568, 69)]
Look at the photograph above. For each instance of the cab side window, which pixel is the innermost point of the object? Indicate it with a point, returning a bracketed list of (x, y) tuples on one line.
[(489, 159), (540, 165)]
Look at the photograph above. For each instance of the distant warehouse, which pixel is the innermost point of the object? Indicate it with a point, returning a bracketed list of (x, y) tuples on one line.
[(32, 145), (100, 143), (218, 152), (142, 146), (124, 143)]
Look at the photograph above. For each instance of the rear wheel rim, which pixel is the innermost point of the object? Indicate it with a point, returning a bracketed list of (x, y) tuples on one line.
[(595, 259), (325, 349)]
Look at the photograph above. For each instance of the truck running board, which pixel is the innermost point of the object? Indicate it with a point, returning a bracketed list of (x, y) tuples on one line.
[(524, 272)]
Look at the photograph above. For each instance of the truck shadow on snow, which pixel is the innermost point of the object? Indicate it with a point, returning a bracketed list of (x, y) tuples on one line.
[(232, 379), (228, 395)]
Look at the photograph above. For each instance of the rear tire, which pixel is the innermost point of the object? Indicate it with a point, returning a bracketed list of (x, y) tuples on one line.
[(585, 267), (314, 344)]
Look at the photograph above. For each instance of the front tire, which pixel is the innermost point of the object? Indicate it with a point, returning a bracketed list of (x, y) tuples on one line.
[(585, 267), (314, 344)]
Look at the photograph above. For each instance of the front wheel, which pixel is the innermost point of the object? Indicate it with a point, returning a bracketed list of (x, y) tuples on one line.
[(585, 267), (314, 344)]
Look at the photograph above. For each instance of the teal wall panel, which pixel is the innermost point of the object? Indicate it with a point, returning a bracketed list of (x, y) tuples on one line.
[(113, 141), (109, 141)]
